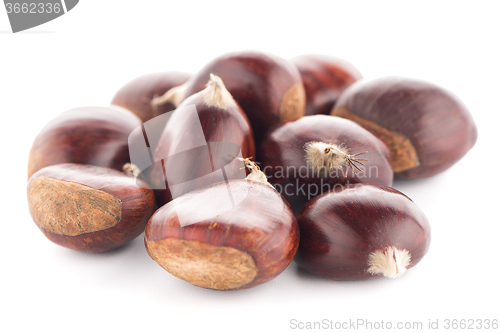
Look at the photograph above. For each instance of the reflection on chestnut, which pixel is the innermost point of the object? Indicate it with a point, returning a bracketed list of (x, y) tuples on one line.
[(324, 78), (268, 88), (85, 135), (361, 231), (426, 127), (313, 154), (231, 235), (89, 208), (138, 94)]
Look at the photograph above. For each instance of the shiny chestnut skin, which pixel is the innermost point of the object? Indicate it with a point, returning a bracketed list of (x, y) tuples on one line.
[(325, 78), (86, 135), (231, 235), (89, 208), (199, 141), (426, 127), (361, 231), (283, 157), (137, 94), (268, 88)]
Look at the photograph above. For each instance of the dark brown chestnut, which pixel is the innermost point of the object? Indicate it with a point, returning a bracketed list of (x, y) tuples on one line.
[(325, 78), (137, 94), (200, 142), (89, 208), (231, 235), (268, 88), (361, 231), (313, 154), (426, 127), (85, 135)]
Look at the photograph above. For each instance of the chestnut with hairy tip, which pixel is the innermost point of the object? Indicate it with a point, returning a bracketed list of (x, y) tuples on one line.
[(361, 231), (427, 128), (268, 88), (89, 208), (227, 236), (85, 135), (200, 142), (314, 154), (140, 95), (325, 78)]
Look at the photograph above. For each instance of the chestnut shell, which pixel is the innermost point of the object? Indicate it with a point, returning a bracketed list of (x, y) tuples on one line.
[(85, 135), (259, 82), (434, 127), (339, 229), (325, 78), (183, 160), (134, 197), (260, 224), (282, 157)]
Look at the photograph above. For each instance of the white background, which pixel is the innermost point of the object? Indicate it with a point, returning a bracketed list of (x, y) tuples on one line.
[(83, 57)]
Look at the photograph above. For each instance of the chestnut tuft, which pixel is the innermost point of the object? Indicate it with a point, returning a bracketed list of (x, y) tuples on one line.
[(89, 208), (85, 135), (200, 142), (361, 231), (138, 94), (231, 235), (426, 127), (313, 154), (325, 78), (268, 88)]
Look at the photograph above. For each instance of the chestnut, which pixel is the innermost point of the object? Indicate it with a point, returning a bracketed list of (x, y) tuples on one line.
[(231, 235), (200, 142), (89, 208), (268, 88), (361, 231), (313, 154), (426, 127), (138, 94), (85, 135), (325, 78)]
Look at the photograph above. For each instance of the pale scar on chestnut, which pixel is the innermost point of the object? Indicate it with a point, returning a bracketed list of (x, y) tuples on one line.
[(292, 105), (204, 265), (403, 153), (71, 209)]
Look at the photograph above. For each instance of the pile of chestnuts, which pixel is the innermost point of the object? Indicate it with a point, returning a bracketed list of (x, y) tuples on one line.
[(254, 161)]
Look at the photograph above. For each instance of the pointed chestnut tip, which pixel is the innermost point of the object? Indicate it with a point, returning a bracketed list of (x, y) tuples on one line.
[(216, 94), (174, 96), (255, 173), (131, 169), (324, 157), (391, 262)]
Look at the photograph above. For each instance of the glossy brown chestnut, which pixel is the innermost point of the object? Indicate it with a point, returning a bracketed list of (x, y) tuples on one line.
[(426, 127), (137, 94), (325, 78), (313, 154), (85, 135), (268, 88), (361, 231), (233, 235), (89, 208), (200, 142)]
